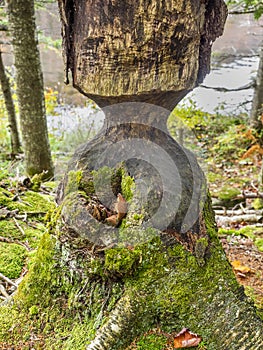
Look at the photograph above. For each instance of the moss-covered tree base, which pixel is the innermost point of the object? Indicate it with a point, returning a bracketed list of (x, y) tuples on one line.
[(73, 300)]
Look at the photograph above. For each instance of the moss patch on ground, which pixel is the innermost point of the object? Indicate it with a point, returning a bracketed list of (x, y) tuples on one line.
[(252, 232), (12, 259)]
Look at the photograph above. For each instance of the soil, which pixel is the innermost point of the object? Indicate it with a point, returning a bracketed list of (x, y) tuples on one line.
[(241, 251), (245, 257)]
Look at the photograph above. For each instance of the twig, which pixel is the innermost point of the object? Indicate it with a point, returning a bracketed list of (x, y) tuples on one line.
[(19, 227), (6, 279), (250, 195), (3, 291), (255, 188), (14, 241)]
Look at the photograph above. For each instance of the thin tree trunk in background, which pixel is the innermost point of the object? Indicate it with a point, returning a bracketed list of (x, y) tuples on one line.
[(30, 89), (257, 105), (15, 142)]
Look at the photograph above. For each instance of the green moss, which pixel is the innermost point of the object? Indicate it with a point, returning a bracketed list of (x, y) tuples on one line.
[(36, 181), (73, 181), (138, 217), (33, 230), (228, 193), (8, 228), (33, 310), (121, 261), (200, 250), (213, 177), (127, 187), (259, 244), (162, 283), (152, 342), (7, 317), (29, 201), (12, 259), (36, 286), (251, 232), (258, 203)]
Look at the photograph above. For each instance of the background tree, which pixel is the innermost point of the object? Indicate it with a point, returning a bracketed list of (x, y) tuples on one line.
[(30, 91), (15, 142)]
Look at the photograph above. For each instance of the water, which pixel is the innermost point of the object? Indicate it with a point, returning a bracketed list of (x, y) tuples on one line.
[(232, 76)]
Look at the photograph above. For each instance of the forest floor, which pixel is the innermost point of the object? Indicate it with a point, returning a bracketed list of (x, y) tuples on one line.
[(239, 219)]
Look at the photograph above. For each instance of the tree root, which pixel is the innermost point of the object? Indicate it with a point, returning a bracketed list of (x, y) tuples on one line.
[(118, 332)]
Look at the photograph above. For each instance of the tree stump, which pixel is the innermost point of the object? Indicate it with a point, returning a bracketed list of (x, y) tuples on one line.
[(136, 229)]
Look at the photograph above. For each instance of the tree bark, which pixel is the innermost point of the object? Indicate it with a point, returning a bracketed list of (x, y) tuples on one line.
[(146, 51), (30, 89), (10, 108), (257, 104), (161, 263)]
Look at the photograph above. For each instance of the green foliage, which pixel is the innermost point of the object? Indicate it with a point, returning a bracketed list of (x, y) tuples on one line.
[(231, 144), (49, 43), (221, 137), (255, 6), (51, 100), (187, 124), (127, 187)]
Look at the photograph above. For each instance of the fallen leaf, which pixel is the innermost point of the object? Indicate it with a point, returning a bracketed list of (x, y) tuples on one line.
[(240, 268), (186, 339), (112, 220)]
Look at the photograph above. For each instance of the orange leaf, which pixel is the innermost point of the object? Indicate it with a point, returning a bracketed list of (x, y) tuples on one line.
[(186, 339), (239, 267)]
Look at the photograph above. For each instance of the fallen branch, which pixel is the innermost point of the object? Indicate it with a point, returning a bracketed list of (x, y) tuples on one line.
[(15, 241), (237, 219), (19, 227), (7, 280), (223, 89), (246, 194), (3, 291), (231, 212)]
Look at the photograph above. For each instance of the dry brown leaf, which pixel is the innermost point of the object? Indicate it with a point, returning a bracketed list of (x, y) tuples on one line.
[(186, 339)]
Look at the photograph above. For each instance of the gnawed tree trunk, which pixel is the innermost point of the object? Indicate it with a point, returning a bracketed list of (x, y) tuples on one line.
[(135, 238), (30, 89), (10, 108)]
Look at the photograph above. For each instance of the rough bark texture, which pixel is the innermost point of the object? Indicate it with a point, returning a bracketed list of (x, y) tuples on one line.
[(257, 105), (161, 265), (30, 90), (10, 108), (154, 51)]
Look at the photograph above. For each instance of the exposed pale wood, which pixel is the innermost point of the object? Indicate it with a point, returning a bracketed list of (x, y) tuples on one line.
[(153, 51)]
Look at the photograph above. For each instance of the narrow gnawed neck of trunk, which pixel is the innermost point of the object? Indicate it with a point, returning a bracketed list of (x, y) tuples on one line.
[(136, 113)]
